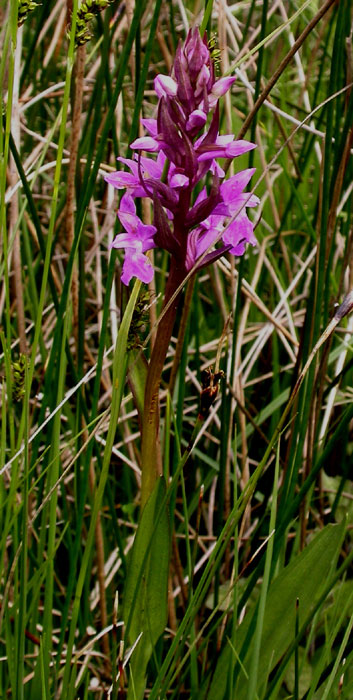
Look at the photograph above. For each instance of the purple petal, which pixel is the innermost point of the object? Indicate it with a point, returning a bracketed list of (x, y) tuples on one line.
[(146, 143), (123, 240), (150, 126), (216, 169), (224, 139), (128, 221), (177, 179), (165, 86), (139, 241), (120, 180), (203, 209), (231, 150), (152, 167), (234, 185), (196, 120), (221, 209), (237, 148), (140, 235), (238, 233), (198, 243), (137, 265), (185, 90), (240, 201), (132, 164), (127, 204), (221, 86), (215, 220), (146, 233), (196, 52)]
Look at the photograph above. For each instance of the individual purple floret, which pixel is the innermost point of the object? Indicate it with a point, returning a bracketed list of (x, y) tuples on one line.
[(184, 143), (136, 241)]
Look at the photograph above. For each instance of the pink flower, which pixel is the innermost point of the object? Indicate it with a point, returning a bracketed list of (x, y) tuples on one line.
[(183, 158), (137, 239)]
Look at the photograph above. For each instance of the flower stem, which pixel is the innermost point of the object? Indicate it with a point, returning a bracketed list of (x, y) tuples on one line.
[(150, 453)]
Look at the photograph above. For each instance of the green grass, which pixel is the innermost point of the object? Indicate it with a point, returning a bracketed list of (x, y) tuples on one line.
[(257, 507)]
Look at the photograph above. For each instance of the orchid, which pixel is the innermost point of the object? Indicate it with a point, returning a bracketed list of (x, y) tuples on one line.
[(182, 150), (136, 241), (198, 216)]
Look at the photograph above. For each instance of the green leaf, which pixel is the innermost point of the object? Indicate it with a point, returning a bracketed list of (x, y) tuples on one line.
[(302, 579), (145, 603), (305, 674), (219, 683)]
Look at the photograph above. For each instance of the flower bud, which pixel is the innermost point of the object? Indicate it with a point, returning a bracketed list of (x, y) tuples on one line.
[(165, 86)]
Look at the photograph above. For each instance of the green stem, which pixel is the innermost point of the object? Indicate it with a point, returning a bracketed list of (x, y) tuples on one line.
[(151, 457)]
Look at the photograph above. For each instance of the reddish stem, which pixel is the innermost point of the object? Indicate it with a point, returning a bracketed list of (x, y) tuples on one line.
[(151, 458)]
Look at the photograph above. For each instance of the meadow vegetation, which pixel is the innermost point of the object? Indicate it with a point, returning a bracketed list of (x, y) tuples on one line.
[(235, 579)]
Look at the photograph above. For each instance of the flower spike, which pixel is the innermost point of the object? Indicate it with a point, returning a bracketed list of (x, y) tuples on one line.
[(183, 145)]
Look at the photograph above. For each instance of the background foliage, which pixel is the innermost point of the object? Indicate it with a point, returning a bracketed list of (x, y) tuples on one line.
[(260, 593)]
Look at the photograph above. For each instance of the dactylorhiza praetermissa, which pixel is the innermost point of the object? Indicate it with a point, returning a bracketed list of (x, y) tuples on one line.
[(185, 150)]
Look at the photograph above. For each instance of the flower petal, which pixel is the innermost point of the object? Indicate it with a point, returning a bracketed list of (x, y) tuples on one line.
[(177, 179), (137, 265), (127, 204), (165, 86), (199, 241), (242, 200), (232, 187), (146, 143), (237, 148), (150, 126), (120, 180), (238, 233), (222, 85), (230, 150), (196, 120)]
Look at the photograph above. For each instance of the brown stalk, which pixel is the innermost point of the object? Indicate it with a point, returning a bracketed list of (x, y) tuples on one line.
[(164, 50)]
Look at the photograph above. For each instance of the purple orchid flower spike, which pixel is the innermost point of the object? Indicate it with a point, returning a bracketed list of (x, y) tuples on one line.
[(184, 145), (179, 153)]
